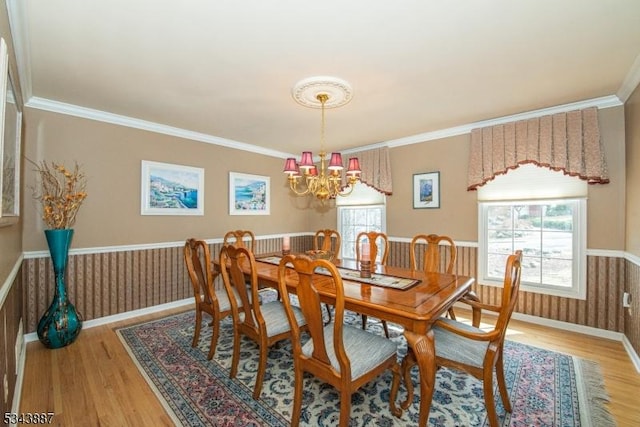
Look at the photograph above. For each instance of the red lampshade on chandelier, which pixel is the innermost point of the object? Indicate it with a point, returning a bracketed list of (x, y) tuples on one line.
[(324, 182)]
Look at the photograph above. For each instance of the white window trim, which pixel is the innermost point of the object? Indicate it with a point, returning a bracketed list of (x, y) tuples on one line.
[(382, 206), (578, 290)]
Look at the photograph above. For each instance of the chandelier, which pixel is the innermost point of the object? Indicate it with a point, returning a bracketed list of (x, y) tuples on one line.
[(323, 181)]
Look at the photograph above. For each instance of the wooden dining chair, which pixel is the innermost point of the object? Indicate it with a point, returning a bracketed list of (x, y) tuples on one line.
[(341, 355), (373, 237), (238, 237), (439, 255), (265, 324), (327, 240), (383, 247), (214, 302), (468, 348)]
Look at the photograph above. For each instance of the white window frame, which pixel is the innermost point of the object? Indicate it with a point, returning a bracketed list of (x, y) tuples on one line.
[(382, 227), (578, 288), (363, 197)]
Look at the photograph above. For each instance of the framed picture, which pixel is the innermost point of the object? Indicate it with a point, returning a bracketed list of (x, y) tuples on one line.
[(169, 189), (248, 194), (11, 119), (426, 190)]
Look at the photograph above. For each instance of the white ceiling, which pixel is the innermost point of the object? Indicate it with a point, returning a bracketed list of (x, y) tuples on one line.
[(222, 71)]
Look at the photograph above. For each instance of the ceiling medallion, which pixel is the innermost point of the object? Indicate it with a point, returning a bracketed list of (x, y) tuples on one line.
[(306, 92)]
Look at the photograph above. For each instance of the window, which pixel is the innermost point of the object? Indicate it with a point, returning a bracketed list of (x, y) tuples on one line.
[(362, 210), (550, 231)]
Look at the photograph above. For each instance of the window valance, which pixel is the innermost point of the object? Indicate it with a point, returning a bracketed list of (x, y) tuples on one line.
[(568, 142), (376, 169)]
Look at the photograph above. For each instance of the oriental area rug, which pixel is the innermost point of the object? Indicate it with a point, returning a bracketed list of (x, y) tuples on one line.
[(546, 388)]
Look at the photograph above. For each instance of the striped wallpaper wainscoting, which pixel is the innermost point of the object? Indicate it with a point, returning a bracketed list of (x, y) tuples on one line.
[(466, 263), (108, 283), (605, 286), (631, 316), (602, 309), (10, 313), (104, 284)]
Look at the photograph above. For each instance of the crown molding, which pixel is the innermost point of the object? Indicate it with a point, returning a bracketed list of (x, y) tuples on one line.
[(91, 114), (20, 35), (631, 81), (602, 102), (102, 116)]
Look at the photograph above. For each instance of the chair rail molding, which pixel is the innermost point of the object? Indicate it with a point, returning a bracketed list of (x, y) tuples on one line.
[(6, 286)]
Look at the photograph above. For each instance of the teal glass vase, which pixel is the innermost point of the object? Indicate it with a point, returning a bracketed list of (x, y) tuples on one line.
[(61, 323)]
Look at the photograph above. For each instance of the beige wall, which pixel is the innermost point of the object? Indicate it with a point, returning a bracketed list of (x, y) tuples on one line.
[(632, 113), (457, 216), (111, 157), (605, 214)]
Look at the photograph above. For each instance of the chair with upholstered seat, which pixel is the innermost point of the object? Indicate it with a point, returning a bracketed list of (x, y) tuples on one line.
[(468, 348), (373, 237), (265, 324), (327, 240), (341, 355), (214, 302)]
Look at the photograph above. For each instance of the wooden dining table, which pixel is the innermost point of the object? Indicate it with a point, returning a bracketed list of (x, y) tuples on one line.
[(415, 308)]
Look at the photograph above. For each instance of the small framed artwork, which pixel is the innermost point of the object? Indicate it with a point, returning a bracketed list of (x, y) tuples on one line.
[(426, 190), (248, 194), (169, 189)]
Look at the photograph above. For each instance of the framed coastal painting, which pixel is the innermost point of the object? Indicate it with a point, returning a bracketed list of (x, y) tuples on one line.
[(249, 194), (169, 189), (426, 190)]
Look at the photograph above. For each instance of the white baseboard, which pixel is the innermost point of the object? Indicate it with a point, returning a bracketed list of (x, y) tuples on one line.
[(631, 352), (566, 326), (17, 392), (33, 336)]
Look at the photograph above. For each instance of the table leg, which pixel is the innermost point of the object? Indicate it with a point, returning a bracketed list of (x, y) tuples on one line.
[(422, 351)]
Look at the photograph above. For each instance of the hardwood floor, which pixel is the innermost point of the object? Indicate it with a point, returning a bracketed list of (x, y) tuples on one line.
[(94, 381)]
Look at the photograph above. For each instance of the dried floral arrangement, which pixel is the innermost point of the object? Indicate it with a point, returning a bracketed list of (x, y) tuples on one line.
[(61, 192)]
